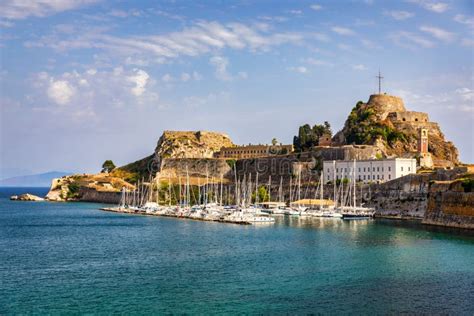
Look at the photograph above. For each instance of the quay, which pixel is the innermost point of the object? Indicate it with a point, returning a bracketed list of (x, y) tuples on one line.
[(142, 212)]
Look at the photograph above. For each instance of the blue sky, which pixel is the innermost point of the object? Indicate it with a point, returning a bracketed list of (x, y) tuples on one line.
[(87, 80)]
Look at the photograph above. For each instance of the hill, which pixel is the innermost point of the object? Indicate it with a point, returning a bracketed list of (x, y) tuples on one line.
[(34, 180), (384, 122)]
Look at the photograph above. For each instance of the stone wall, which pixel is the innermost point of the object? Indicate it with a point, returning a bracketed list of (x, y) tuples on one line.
[(92, 195), (408, 116), (448, 205)]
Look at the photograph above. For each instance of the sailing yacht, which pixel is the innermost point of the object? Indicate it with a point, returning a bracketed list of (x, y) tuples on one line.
[(353, 211)]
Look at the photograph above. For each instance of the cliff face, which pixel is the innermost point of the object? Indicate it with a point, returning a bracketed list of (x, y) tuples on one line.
[(91, 188), (384, 122), (451, 204), (200, 144), (439, 198)]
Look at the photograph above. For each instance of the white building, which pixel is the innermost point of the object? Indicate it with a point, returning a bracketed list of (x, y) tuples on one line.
[(380, 170)]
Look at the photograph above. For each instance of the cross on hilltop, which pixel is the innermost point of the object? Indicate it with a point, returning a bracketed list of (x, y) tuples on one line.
[(379, 77)]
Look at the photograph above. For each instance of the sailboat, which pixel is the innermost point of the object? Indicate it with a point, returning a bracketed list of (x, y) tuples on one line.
[(353, 211)]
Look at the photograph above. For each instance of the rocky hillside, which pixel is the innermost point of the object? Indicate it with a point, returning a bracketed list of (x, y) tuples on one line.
[(384, 122), (200, 144), (77, 187)]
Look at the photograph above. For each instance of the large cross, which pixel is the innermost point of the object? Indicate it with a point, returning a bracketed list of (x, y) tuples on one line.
[(380, 82)]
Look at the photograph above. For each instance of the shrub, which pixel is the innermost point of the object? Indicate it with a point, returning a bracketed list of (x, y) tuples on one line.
[(468, 185)]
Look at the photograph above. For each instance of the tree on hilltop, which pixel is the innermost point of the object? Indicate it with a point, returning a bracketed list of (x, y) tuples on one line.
[(108, 166)]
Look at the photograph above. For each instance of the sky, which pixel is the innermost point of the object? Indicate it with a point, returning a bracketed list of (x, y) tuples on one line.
[(83, 81)]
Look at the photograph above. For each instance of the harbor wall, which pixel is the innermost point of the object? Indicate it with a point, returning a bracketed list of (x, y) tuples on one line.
[(92, 195)]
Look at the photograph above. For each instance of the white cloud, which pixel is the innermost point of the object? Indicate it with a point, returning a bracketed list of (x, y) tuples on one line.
[(185, 77), (300, 69), (124, 14), (460, 18), (220, 64), (21, 9), (434, 6), (316, 7), (317, 62), (438, 33), (410, 40), (197, 76), (342, 30), (243, 75), (295, 12), (91, 71), (60, 91), (167, 78), (139, 79), (466, 94), (201, 38), (399, 15), (359, 67), (319, 36)]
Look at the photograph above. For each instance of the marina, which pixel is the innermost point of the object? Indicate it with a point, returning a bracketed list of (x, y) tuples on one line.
[(251, 203)]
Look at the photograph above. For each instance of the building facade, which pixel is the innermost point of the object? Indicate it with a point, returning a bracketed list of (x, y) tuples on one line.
[(378, 171), (253, 151)]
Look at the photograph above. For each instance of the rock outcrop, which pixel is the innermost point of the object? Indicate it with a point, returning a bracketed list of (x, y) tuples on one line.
[(451, 203), (190, 144), (384, 122), (79, 187), (438, 198), (26, 197)]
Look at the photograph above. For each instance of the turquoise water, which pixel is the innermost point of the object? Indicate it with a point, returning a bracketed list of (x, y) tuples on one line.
[(61, 258)]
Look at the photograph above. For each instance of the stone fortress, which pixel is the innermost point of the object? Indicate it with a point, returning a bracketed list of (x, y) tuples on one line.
[(390, 111)]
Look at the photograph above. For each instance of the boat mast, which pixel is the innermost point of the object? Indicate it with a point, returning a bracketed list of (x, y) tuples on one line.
[(256, 189), (354, 179), (269, 188)]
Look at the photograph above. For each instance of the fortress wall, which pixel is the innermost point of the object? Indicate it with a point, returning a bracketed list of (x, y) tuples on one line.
[(385, 104), (408, 116)]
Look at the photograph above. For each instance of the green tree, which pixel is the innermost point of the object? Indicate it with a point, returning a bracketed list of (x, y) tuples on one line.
[(263, 195), (308, 136), (108, 166)]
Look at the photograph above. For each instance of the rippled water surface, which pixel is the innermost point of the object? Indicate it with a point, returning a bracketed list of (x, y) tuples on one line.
[(66, 258)]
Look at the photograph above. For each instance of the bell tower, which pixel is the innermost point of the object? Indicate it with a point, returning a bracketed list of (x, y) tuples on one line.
[(423, 141)]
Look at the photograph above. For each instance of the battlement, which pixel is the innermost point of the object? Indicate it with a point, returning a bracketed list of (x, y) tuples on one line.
[(408, 116)]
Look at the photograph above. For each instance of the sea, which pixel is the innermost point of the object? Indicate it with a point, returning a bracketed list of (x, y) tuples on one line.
[(72, 258)]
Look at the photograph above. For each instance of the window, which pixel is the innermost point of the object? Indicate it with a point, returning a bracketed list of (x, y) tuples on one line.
[(359, 169), (364, 169), (373, 169), (373, 177), (389, 176), (382, 169), (360, 177), (364, 176), (389, 168), (408, 168), (378, 177), (402, 168), (382, 176), (328, 177), (345, 169), (328, 170), (337, 169), (377, 169)]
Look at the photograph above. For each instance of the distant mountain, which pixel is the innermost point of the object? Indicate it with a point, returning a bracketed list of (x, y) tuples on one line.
[(34, 180)]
